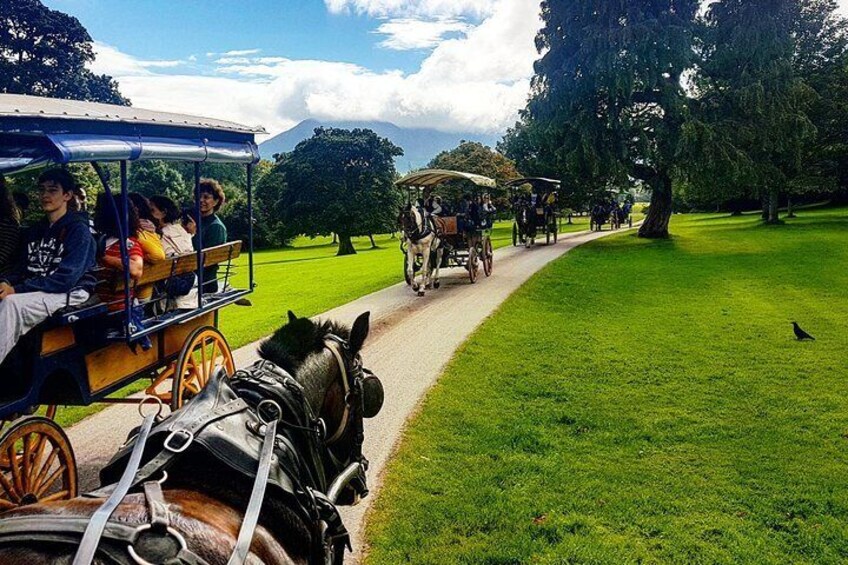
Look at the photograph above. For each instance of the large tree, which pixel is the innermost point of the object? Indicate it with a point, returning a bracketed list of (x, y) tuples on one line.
[(474, 157), (608, 96), (44, 52), (752, 126), (339, 181)]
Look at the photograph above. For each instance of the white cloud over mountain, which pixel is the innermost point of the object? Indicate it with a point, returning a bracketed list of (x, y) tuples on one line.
[(476, 81)]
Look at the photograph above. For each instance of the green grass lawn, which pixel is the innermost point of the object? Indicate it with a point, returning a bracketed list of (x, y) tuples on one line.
[(642, 402)]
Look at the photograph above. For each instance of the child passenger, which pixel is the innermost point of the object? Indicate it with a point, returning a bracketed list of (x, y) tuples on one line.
[(106, 224)]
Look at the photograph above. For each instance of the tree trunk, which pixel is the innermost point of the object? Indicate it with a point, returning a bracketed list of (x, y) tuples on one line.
[(655, 225), (764, 204), (773, 206), (335, 238), (371, 237), (345, 245), (790, 208)]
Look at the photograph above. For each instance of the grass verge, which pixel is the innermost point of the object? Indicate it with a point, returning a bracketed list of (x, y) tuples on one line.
[(642, 401)]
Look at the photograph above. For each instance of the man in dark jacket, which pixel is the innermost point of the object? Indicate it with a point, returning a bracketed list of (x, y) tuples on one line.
[(57, 270)]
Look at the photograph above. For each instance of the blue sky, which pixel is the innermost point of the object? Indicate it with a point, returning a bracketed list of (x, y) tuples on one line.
[(297, 29), (453, 65)]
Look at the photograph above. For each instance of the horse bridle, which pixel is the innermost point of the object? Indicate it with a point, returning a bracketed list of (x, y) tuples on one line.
[(419, 233), (351, 377)]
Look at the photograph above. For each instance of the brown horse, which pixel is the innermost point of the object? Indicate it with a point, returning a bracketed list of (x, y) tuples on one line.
[(206, 499)]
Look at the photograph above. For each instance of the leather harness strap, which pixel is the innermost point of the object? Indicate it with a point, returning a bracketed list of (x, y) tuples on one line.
[(257, 494), (94, 531), (334, 346)]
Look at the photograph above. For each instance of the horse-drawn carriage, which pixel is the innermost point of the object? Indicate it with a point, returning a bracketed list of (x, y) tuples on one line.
[(535, 211), (84, 354), (610, 212), (461, 231)]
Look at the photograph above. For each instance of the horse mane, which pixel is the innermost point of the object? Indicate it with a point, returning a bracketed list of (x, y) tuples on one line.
[(290, 345)]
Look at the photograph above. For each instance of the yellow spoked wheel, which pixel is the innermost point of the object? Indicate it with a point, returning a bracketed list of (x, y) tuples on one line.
[(37, 463), (205, 351)]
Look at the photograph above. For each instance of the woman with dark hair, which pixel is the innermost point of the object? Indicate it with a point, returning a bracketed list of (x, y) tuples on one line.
[(175, 241), (151, 244), (166, 215), (10, 227), (106, 224)]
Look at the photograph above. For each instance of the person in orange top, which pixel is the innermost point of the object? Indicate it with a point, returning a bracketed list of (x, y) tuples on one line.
[(106, 224), (148, 238)]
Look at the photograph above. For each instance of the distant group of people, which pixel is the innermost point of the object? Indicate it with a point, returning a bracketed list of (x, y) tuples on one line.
[(473, 213), (51, 264)]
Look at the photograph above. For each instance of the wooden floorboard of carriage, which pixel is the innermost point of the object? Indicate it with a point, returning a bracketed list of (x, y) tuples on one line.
[(411, 341)]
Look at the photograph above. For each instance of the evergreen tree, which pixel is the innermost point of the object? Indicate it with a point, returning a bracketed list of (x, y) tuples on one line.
[(752, 127), (607, 95)]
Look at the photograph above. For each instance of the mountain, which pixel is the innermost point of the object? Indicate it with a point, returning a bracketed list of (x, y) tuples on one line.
[(419, 145)]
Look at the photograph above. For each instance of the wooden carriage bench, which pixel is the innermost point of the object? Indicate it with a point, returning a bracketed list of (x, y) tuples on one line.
[(155, 272)]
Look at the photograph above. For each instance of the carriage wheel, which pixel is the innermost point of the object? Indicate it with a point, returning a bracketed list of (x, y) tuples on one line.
[(37, 465), (203, 353), (630, 222), (472, 265), (488, 257), (514, 234)]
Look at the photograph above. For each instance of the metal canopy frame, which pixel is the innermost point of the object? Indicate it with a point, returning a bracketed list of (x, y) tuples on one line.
[(36, 132)]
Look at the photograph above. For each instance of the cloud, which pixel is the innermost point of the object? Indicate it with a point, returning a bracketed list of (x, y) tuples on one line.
[(111, 61), (413, 8), (476, 82), (241, 52), (413, 33)]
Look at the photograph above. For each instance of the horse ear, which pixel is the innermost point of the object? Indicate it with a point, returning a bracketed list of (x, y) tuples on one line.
[(359, 332), (292, 317)]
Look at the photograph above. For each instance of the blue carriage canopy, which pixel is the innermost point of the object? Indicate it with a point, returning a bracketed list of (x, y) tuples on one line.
[(36, 131), (432, 177)]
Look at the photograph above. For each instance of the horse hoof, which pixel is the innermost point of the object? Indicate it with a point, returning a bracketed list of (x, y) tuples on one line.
[(415, 287), (437, 284), (420, 293)]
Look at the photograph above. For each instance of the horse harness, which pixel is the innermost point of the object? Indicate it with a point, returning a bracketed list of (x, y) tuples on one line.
[(225, 420), (420, 233)]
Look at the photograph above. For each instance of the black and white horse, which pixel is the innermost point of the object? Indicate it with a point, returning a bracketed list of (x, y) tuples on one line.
[(421, 240)]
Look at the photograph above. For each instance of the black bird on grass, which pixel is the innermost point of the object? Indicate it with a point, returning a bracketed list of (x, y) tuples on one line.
[(801, 334)]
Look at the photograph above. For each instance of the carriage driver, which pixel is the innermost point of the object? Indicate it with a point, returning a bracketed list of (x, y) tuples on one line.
[(57, 269)]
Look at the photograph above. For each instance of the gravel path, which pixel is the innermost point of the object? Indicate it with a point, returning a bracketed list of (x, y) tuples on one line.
[(402, 350)]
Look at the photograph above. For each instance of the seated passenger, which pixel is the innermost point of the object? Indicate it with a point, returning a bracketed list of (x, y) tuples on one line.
[(437, 206), (106, 224), (57, 270), (151, 244), (175, 241), (214, 231), (10, 228)]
